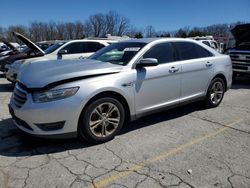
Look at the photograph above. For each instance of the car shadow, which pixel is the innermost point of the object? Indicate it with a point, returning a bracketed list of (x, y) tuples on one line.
[(14, 143), (166, 115), (241, 83)]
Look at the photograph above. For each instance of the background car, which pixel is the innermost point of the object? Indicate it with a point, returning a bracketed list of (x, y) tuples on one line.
[(31, 50), (238, 47), (212, 43), (74, 49)]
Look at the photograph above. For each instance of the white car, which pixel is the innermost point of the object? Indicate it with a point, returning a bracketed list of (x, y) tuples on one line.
[(74, 49), (212, 43)]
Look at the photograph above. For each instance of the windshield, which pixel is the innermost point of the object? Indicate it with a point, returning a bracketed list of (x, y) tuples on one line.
[(118, 53), (25, 50), (53, 47)]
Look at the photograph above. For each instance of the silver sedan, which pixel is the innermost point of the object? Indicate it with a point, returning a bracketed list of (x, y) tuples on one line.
[(94, 98)]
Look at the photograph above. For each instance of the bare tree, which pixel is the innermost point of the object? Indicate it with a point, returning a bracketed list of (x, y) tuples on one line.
[(181, 33), (111, 19), (122, 26), (150, 31), (60, 30), (110, 23), (163, 34), (88, 29), (36, 31), (132, 31), (69, 27), (19, 28), (2, 35), (51, 31), (79, 30), (217, 30), (97, 23)]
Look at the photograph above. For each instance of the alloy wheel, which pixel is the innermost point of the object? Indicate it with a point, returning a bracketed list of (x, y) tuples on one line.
[(104, 119), (216, 94)]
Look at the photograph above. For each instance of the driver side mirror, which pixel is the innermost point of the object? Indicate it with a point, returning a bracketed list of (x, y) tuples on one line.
[(62, 51), (147, 62)]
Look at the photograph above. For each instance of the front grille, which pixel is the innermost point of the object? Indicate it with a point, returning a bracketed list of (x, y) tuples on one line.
[(19, 96), (242, 53), (240, 60), (234, 56), (240, 67), (241, 63)]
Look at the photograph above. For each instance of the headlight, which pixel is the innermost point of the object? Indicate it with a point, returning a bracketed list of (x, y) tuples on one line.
[(54, 94)]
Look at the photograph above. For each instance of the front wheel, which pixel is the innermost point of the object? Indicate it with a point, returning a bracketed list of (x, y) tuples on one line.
[(101, 120), (215, 93)]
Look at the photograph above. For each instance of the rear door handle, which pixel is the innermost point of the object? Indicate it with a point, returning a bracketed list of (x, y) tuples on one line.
[(208, 64), (173, 70)]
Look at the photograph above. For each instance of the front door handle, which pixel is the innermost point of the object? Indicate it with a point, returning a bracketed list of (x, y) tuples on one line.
[(208, 64), (173, 70)]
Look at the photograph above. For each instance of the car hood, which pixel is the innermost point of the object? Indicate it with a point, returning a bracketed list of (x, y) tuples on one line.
[(241, 33), (42, 75), (28, 42)]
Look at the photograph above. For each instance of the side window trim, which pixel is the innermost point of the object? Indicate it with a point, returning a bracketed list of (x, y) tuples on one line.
[(176, 52)]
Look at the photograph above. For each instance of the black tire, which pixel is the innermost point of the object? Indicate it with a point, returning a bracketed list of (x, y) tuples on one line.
[(84, 130), (209, 102), (234, 76)]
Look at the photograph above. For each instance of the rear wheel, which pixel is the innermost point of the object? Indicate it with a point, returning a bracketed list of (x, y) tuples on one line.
[(215, 93), (101, 120)]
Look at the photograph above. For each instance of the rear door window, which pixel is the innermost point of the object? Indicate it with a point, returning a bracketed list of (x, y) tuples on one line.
[(206, 42), (163, 52), (75, 48), (189, 50), (93, 46)]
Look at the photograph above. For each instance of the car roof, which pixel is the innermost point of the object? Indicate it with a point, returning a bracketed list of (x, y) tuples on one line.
[(51, 41), (156, 40), (207, 40), (149, 40), (91, 40)]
